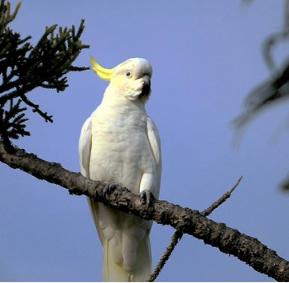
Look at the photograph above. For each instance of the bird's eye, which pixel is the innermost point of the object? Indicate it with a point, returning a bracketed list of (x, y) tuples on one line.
[(128, 74)]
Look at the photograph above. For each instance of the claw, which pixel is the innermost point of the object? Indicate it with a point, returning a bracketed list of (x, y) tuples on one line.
[(146, 197), (109, 188)]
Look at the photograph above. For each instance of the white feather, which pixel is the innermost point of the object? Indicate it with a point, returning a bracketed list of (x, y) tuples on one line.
[(119, 143), (155, 143), (85, 147)]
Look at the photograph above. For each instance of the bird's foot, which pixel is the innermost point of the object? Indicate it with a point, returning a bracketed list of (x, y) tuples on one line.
[(147, 197), (109, 188)]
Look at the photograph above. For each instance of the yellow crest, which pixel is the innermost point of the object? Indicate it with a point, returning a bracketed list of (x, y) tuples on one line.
[(102, 72)]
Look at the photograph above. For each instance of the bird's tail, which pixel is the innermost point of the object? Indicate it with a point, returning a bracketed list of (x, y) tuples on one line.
[(116, 272)]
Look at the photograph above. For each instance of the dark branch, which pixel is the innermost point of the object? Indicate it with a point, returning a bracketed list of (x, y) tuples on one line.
[(179, 233), (276, 86), (226, 239), (274, 39), (284, 186), (24, 67), (273, 90), (174, 241), (12, 122), (270, 42), (222, 199), (35, 107)]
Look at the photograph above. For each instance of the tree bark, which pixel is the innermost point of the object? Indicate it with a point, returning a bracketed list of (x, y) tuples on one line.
[(227, 240)]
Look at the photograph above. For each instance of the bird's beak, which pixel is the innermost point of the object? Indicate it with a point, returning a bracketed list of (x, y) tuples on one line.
[(146, 90), (103, 73)]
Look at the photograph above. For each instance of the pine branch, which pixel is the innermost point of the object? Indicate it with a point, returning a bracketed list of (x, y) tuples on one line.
[(12, 121), (35, 107), (24, 67), (227, 240), (275, 88)]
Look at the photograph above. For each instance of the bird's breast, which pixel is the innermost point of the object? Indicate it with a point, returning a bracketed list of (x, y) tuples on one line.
[(120, 148)]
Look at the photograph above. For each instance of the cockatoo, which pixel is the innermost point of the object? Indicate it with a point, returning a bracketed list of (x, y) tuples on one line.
[(119, 143)]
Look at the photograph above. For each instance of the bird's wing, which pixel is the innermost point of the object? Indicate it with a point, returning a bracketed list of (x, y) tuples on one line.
[(85, 142), (85, 147), (155, 143)]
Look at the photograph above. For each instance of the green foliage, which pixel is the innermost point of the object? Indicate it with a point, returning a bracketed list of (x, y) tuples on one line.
[(24, 67)]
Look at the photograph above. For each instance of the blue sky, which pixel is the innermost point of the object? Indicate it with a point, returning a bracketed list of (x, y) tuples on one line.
[(206, 57)]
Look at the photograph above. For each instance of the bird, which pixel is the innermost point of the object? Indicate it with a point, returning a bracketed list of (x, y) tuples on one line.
[(120, 144)]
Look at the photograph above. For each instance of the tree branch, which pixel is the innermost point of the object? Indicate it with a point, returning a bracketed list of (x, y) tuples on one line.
[(177, 236), (179, 233), (24, 67), (227, 240), (35, 107), (221, 200)]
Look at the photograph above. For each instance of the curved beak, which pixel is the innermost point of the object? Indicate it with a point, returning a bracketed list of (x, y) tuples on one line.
[(146, 89)]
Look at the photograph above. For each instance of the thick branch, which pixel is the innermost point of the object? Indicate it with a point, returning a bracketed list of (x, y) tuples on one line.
[(226, 239), (179, 233)]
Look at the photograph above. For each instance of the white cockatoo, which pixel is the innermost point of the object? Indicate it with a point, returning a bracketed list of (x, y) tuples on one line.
[(119, 143)]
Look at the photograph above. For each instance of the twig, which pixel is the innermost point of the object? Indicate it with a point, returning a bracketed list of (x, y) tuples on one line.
[(270, 42), (36, 109), (179, 233), (175, 239), (221, 200)]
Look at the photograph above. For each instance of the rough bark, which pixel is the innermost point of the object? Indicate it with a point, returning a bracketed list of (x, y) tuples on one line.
[(178, 234), (227, 240)]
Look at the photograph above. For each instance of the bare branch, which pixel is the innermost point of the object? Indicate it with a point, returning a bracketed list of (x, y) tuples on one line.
[(179, 233), (227, 240), (175, 239), (222, 199)]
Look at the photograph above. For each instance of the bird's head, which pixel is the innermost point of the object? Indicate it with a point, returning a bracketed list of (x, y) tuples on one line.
[(131, 78)]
